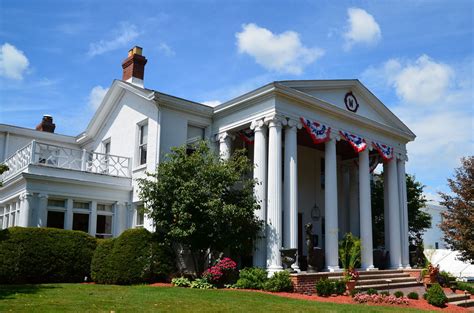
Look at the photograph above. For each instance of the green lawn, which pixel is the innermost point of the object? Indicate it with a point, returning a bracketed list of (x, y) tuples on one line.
[(100, 298)]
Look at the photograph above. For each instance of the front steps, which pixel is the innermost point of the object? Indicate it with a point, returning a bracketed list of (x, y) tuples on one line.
[(461, 300), (378, 280)]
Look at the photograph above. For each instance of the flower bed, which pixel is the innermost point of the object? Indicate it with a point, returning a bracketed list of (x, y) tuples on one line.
[(376, 298)]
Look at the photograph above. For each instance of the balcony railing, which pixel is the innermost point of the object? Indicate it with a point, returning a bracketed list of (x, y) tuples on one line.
[(44, 154)]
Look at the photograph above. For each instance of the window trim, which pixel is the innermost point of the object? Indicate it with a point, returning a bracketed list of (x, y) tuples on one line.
[(139, 143)]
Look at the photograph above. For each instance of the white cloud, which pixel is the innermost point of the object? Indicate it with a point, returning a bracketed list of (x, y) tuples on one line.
[(212, 103), (13, 62), (435, 101), (96, 96), (167, 50), (277, 52), (361, 28), (123, 37)]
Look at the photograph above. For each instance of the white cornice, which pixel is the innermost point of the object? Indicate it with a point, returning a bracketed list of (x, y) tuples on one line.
[(33, 133)]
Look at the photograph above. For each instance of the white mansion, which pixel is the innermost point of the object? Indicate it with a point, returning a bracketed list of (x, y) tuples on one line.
[(314, 144)]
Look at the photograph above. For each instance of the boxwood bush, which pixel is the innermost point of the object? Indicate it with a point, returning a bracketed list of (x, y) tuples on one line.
[(136, 256), (325, 287), (436, 296), (279, 282), (44, 255), (252, 278)]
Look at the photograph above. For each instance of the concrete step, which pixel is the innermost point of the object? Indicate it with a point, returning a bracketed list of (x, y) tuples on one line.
[(384, 282), (392, 286), (464, 303), (380, 272), (376, 276), (457, 297)]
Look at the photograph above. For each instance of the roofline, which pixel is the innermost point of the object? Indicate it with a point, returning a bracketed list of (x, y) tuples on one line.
[(24, 131)]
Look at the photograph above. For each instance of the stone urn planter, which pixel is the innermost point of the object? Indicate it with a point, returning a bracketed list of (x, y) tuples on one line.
[(288, 257)]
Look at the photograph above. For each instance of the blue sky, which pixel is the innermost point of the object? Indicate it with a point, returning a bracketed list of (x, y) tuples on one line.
[(59, 58)]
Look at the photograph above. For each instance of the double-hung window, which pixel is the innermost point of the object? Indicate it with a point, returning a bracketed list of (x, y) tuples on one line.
[(105, 214), (194, 135), (142, 143)]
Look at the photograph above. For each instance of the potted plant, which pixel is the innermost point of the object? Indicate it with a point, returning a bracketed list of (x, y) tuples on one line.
[(430, 274), (351, 277)]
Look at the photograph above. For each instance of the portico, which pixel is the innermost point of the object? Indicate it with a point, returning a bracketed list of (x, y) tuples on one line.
[(314, 166)]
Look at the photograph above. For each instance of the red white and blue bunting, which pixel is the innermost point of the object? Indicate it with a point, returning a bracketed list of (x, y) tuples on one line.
[(358, 143), (374, 160), (318, 132), (247, 135), (386, 152)]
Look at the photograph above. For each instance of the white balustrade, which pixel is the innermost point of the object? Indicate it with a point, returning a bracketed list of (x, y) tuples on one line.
[(44, 154)]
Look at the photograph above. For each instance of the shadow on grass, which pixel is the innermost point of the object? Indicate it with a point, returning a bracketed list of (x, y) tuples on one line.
[(10, 291)]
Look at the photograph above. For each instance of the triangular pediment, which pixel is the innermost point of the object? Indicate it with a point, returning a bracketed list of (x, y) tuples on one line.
[(352, 97)]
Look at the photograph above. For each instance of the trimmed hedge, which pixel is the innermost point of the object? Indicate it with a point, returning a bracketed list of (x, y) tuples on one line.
[(136, 256), (44, 255)]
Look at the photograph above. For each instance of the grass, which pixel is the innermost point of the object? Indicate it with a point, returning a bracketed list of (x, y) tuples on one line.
[(107, 298)]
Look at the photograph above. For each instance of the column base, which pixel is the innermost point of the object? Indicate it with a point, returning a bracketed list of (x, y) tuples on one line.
[(399, 267), (333, 269), (369, 268), (407, 266), (272, 269)]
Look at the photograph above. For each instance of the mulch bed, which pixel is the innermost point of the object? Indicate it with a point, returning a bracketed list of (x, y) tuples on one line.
[(416, 304)]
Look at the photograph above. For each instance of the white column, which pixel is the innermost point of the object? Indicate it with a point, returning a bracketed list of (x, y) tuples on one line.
[(394, 215), (367, 259), (42, 212), (26, 208), (274, 198), (354, 200), (260, 174), (120, 214), (69, 214), (385, 208), (330, 208), (402, 190), (225, 145), (93, 219), (290, 196)]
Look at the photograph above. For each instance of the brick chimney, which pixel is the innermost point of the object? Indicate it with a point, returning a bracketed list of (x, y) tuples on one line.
[(134, 67), (46, 124)]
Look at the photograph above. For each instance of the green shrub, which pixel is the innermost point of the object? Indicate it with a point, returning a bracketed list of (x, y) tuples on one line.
[(425, 296), (385, 293), (201, 283), (398, 294), (436, 296), (445, 279), (136, 256), (101, 268), (340, 287), (466, 287), (372, 291), (325, 287), (280, 281), (181, 282), (353, 292), (252, 278), (413, 295), (44, 255)]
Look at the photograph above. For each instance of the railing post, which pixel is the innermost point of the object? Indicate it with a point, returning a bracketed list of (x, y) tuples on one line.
[(83, 160), (129, 167), (33, 151)]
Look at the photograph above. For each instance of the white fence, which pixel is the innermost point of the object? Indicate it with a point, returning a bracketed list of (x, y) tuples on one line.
[(39, 153)]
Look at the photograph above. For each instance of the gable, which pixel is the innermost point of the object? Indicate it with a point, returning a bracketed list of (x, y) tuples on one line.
[(334, 93)]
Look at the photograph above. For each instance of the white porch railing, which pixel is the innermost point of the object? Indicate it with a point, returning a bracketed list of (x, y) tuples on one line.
[(44, 154)]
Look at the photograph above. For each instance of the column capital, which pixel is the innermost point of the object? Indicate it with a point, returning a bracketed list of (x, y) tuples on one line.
[(26, 195), (257, 125), (275, 121), (43, 196), (221, 137), (294, 124)]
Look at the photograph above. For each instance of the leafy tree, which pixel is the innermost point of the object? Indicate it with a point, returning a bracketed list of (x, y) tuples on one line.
[(205, 203), (3, 169), (458, 220), (418, 220)]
